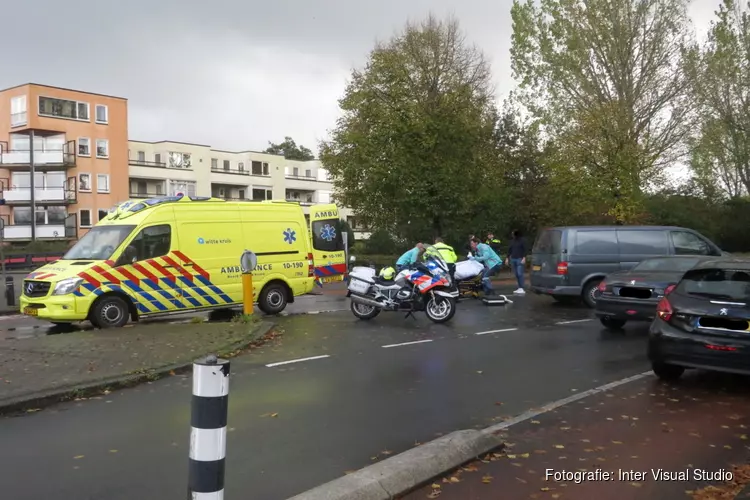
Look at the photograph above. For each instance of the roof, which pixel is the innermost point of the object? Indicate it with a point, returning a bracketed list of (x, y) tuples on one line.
[(63, 88), (735, 263)]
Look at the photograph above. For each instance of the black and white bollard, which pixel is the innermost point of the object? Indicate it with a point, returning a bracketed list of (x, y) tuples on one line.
[(208, 433)]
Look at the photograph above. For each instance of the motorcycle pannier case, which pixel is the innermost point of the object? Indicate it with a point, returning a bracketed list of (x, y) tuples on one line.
[(361, 279)]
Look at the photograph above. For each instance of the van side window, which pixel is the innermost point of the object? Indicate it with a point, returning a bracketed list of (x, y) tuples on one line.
[(549, 241), (638, 242), (327, 235), (151, 242), (596, 243), (689, 244)]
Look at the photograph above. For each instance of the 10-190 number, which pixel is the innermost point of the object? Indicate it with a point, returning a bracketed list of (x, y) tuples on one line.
[(292, 265)]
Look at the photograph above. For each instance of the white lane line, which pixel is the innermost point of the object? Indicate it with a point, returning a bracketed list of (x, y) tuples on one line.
[(271, 365), (573, 321), (497, 331), (406, 343), (562, 402)]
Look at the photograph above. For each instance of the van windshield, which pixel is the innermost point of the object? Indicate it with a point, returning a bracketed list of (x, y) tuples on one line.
[(99, 243), (549, 241)]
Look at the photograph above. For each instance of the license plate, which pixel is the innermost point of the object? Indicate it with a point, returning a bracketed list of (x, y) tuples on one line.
[(537, 268), (332, 279), (31, 311)]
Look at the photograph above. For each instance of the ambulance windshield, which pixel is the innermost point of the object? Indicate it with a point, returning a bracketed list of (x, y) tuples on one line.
[(99, 243)]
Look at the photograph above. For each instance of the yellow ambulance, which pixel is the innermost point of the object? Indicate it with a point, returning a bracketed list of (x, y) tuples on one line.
[(177, 254)]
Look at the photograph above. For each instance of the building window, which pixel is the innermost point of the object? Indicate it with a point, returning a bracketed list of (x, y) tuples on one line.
[(226, 164), (179, 160), (18, 111), (241, 166), (102, 114), (241, 194), (63, 108), (214, 163), (102, 183), (84, 146), (186, 188), (50, 215), (102, 148), (84, 215), (259, 168), (295, 171), (84, 182), (42, 180), (102, 214), (262, 194), (308, 173), (141, 156), (157, 158)]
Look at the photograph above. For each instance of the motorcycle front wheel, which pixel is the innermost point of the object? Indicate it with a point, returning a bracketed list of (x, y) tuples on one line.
[(440, 309), (362, 311)]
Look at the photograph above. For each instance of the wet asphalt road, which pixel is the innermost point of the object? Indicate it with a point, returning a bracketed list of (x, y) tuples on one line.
[(362, 403)]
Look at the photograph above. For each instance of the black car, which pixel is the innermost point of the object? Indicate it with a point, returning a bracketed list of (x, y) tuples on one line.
[(633, 295), (704, 322)]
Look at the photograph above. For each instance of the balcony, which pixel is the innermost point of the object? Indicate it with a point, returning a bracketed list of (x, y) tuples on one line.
[(57, 230), (46, 196), (44, 158), (146, 163), (230, 171), (144, 195)]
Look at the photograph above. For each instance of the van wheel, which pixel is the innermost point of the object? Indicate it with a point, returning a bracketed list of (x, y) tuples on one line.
[(272, 299), (591, 293), (110, 312)]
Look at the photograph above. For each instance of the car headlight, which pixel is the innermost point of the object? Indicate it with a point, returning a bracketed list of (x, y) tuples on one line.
[(68, 285)]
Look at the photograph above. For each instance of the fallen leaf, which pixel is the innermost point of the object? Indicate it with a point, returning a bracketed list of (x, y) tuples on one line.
[(487, 479), (616, 442), (636, 485), (113, 451), (540, 452), (436, 486), (524, 455), (521, 480), (470, 468), (510, 456), (585, 440), (498, 403), (171, 372), (555, 495), (535, 422), (434, 494), (454, 479), (559, 446), (479, 372), (274, 415), (386, 452), (695, 434), (544, 489), (727, 447), (743, 437), (610, 418), (33, 410), (78, 457), (349, 471)]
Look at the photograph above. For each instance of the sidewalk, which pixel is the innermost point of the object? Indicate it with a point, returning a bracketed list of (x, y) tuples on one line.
[(48, 368), (632, 431)]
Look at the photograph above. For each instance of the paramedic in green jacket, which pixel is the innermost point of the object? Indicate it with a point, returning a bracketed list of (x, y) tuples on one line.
[(492, 262), (409, 257), (448, 255)]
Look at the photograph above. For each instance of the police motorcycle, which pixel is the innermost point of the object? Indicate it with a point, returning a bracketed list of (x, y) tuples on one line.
[(424, 286)]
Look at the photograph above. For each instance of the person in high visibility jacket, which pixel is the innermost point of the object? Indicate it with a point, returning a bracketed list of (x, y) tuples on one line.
[(448, 254), (494, 243)]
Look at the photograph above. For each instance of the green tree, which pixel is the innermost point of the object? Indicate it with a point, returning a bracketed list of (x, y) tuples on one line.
[(604, 78), (719, 73), (415, 142), (290, 150)]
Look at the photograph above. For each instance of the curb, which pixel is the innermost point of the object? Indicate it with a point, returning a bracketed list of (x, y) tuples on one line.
[(406, 471), (50, 397)]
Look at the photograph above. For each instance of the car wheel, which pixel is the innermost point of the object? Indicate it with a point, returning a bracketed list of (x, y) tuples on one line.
[(110, 312), (272, 299), (591, 293), (666, 371), (612, 323)]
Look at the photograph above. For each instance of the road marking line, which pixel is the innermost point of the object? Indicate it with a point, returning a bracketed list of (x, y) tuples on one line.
[(406, 343), (573, 321), (497, 331), (271, 365), (528, 415)]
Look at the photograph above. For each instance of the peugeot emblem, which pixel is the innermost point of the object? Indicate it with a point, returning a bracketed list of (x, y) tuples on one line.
[(723, 311), (29, 288)]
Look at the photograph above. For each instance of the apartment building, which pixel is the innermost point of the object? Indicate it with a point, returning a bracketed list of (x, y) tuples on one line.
[(75, 143), (170, 168)]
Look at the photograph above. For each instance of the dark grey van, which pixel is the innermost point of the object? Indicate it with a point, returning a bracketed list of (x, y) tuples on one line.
[(568, 263)]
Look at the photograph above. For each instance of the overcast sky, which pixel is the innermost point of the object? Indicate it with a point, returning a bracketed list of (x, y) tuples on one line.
[(229, 73)]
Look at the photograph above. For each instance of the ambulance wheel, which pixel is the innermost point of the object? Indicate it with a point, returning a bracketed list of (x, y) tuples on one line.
[(110, 312), (272, 299)]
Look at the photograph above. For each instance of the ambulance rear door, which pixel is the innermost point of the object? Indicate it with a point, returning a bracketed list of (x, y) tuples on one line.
[(329, 256)]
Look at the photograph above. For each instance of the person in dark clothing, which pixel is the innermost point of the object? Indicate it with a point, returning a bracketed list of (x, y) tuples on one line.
[(494, 243), (468, 247), (517, 259)]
